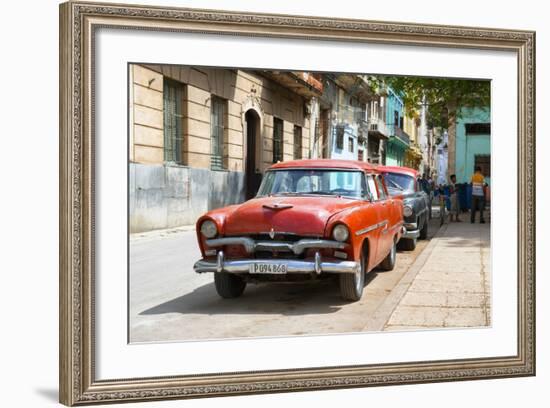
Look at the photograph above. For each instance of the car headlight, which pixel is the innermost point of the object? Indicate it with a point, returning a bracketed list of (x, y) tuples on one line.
[(407, 211), (340, 233), (209, 229)]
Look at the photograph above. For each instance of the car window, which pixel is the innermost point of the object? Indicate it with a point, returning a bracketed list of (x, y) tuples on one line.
[(371, 184), (381, 190), (308, 183), (344, 183)]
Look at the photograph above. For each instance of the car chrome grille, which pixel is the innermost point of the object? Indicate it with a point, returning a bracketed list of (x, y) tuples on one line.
[(276, 254), (278, 237)]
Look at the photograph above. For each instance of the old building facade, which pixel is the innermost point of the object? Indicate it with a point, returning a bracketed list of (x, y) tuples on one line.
[(200, 138), (411, 126), (377, 131), (398, 141)]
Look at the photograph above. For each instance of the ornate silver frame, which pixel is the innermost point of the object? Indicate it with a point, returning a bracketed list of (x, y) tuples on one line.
[(78, 21)]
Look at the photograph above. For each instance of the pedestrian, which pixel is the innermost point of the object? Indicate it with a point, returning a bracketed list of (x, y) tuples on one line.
[(478, 195), (453, 192)]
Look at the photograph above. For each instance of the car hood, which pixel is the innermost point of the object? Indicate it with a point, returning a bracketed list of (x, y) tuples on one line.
[(297, 215)]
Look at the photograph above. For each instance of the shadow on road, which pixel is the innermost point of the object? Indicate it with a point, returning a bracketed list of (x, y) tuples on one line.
[(291, 299)]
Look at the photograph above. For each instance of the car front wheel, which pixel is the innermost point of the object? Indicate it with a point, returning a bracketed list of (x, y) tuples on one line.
[(229, 285), (352, 284)]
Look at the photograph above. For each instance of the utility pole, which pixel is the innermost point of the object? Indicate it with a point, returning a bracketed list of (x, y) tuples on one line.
[(424, 135)]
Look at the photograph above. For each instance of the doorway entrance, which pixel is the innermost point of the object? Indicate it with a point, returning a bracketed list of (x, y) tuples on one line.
[(253, 176)]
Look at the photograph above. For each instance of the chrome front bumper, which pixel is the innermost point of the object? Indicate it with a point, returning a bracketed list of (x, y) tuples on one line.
[(292, 265), (410, 234)]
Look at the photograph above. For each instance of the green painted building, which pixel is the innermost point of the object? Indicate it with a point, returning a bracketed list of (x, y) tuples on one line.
[(473, 144), (398, 141)]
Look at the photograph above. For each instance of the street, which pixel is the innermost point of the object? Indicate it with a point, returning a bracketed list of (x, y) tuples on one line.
[(170, 302)]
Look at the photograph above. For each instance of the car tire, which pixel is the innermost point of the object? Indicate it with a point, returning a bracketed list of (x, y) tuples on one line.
[(407, 244), (352, 284), (229, 285), (389, 261), (424, 230)]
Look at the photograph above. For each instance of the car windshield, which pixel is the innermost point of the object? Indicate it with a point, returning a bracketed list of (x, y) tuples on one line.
[(398, 183), (345, 183)]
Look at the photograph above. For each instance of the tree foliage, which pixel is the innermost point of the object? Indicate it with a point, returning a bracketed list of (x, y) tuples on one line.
[(445, 97)]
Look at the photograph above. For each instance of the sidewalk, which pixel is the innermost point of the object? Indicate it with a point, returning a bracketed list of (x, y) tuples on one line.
[(450, 283)]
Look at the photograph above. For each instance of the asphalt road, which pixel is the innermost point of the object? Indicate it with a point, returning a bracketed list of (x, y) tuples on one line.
[(170, 302)]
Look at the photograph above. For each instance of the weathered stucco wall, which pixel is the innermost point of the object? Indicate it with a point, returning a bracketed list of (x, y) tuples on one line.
[(199, 85), (165, 196)]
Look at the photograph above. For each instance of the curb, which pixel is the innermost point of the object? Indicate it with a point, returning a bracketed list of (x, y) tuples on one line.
[(160, 233), (383, 313)]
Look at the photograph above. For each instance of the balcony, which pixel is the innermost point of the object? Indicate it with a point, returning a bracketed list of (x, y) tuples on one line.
[(304, 84), (377, 128), (400, 134), (350, 114), (355, 85)]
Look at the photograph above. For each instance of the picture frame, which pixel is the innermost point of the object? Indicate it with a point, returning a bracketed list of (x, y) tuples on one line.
[(78, 24)]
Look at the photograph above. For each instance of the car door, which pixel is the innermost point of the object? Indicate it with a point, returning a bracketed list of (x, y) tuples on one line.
[(374, 220), (396, 214), (386, 218)]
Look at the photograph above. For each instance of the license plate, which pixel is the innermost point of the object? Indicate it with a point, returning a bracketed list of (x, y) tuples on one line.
[(268, 268)]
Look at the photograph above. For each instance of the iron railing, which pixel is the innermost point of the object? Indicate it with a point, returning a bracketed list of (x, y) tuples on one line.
[(400, 134), (350, 114)]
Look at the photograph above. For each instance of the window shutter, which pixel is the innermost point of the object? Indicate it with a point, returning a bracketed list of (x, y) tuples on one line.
[(217, 131), (173, 138)]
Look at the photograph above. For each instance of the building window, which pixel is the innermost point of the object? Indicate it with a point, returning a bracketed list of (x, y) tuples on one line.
[(217, 120), (173, 132), (350, 144), (478, 128), (297, 142), (277, 140), (483, 161), (340, 137), (360, 156)]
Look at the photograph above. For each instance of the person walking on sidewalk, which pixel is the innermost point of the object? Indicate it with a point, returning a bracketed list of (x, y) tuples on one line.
[(455, 207), (478, 195)]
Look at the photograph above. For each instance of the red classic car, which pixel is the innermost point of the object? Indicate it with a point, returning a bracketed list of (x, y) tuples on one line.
[(310, 219)]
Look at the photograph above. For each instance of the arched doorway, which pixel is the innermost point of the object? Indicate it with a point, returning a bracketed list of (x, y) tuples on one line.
[(253, 176)]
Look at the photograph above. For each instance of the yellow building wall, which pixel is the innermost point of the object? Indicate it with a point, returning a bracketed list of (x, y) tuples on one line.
[(235, 86), (146, 115)]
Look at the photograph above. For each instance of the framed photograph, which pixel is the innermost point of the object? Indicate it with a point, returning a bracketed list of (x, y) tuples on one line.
[(254, 203)]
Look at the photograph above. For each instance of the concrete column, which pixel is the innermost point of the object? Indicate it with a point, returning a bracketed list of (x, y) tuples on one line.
[(313, 123)]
